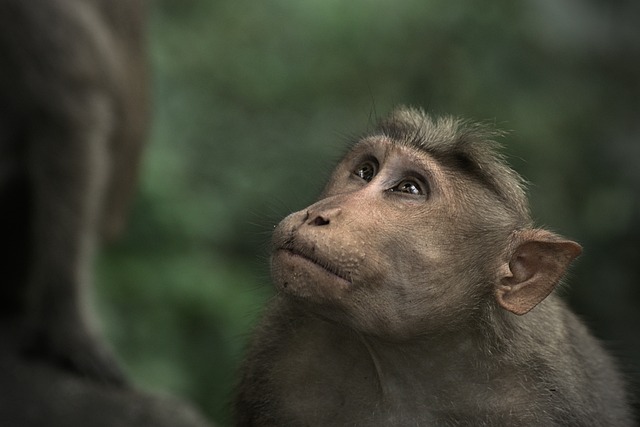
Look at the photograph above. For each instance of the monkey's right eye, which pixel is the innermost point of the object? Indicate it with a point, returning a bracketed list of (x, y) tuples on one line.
[(366, 171)]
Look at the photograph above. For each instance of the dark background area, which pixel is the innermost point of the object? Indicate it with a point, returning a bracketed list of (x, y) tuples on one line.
[(255, 101)]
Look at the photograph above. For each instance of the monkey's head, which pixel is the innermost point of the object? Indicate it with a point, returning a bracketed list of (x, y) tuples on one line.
[(421, 227)]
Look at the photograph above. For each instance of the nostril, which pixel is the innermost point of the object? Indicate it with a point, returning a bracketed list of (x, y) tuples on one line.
[(319, 220), (322, 216)]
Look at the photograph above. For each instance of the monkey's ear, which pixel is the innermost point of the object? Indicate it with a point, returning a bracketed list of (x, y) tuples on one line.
[(537, 264)]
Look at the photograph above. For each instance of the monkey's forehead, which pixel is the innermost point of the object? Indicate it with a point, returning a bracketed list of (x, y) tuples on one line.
[(383, 145), (437, 133), (379, 144)]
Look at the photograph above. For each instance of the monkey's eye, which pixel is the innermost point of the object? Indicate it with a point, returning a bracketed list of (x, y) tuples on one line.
[(409, 186), (366, 171)]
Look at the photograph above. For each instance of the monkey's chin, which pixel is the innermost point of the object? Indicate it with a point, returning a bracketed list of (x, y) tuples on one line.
[(301, 277)]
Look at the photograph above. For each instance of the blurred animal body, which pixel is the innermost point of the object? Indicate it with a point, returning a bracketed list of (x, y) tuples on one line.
[(73, 118)]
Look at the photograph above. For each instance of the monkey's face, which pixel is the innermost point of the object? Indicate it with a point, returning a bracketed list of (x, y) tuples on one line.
[(381, 250)]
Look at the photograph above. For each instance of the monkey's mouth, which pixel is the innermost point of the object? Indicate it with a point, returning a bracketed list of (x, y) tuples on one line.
[(309, 256)]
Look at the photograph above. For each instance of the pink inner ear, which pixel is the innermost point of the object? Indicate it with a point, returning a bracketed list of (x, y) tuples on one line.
[(522, 265), (535, 268)]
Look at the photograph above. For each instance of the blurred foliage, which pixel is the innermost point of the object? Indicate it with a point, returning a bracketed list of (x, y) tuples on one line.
[(254, 102)]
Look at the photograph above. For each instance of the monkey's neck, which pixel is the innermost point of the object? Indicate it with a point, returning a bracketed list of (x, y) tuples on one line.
[(426, 366), (338, 358), (323, 370)]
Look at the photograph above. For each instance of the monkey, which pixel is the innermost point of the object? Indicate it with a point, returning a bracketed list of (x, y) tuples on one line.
[(73, 120), (417, 291)]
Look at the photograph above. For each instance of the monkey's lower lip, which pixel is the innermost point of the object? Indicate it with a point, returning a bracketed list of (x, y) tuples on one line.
[(318, 263)]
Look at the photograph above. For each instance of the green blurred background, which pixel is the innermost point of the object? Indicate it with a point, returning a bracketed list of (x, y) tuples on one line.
[(254, 101)]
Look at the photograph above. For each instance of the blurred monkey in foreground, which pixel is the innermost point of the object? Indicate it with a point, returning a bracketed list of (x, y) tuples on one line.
[(73, 118)]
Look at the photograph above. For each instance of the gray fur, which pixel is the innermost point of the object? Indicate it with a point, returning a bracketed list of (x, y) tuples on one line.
[(462, 359)]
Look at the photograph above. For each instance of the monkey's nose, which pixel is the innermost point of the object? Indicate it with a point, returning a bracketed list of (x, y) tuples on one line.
[(324, 217)]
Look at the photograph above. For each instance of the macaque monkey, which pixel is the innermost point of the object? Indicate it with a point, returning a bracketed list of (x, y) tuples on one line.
[(417, 292), (73, 116)]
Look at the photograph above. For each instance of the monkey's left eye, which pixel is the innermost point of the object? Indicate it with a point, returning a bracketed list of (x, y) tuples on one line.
[(409, 186), (366, 171)]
